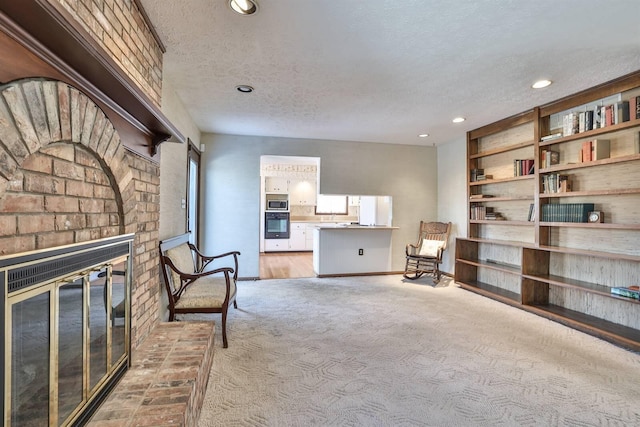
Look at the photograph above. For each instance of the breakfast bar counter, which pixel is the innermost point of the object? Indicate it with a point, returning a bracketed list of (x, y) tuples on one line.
[(348, 249)]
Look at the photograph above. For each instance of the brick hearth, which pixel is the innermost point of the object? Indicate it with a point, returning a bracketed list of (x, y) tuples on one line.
[(167, 380)]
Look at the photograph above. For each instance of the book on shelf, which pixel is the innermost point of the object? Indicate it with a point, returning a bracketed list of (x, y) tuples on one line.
[(600, 149), (588, 120), (581, 121), (566, 212), (585, 153), (483, 177), (596, 118), (608, 116), (637, 109), (532, 212), (629, 292), (621, 112), (551, 136)]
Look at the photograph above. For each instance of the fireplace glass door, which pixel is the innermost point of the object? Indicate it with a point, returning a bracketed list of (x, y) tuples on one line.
[(66, 339)]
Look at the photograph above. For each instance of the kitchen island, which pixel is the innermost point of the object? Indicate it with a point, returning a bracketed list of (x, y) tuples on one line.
[(344, 249)]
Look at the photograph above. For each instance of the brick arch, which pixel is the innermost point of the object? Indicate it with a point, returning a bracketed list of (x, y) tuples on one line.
[(50, 121)]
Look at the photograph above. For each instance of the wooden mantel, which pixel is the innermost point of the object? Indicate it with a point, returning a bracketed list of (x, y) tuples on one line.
[(51, 34)]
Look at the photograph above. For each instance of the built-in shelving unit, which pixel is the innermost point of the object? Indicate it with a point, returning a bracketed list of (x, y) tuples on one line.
[(518, 253)]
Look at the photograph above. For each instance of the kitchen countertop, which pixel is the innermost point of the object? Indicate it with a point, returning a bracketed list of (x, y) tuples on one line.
[(355, 227)]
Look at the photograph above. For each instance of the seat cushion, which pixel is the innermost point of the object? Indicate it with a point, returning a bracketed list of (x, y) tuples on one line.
[(430, 247), (206, 292)]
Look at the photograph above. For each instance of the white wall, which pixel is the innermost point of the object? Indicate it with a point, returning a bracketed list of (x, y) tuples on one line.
[(173, 166), (452, 194), (231, 187)]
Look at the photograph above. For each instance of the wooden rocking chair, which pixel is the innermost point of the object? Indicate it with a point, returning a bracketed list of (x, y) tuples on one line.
[(425, 256)]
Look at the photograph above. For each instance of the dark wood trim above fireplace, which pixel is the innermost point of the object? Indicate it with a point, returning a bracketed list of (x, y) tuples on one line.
[(50, 33)]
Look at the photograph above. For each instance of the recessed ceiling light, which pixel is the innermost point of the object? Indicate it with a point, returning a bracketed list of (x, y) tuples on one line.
[(458, 120), (244, 7), (423, 135), (540, 84), (244, 88)]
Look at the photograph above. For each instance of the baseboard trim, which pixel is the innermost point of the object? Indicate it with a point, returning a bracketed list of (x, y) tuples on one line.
[(380, 273)]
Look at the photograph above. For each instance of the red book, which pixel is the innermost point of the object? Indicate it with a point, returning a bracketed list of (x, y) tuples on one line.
[(608, 115), (586, 151)]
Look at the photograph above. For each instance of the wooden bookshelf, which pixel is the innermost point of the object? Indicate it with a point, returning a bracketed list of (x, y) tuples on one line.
[(560, 270)]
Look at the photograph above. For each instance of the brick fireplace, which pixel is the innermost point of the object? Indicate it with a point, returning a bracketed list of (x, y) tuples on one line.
[(66, 178)]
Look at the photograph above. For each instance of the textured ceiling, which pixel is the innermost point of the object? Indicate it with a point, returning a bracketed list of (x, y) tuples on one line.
[(386, 70)]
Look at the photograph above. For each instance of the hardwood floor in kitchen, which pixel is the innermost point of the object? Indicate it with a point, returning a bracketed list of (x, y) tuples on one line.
[(286, 265)]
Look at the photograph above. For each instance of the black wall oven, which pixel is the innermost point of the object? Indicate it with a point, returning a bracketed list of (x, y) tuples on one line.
[(276, 225)]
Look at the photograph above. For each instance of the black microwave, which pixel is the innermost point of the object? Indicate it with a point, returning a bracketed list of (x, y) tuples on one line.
[(277, 205)]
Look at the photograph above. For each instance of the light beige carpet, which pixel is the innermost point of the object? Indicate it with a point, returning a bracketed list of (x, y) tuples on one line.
[(379, 351)]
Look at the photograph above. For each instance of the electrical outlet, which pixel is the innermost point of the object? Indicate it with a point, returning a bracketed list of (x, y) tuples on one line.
[(360, 251)]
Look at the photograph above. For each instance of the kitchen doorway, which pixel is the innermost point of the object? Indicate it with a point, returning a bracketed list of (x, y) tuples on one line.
[(289, 187)]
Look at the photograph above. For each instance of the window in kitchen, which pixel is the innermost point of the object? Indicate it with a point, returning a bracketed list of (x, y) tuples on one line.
[(331, 205)]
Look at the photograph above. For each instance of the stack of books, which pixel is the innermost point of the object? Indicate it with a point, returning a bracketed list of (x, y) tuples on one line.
[(485, 213), (480, 196), (475, 173), (555, 183), (523, 167)]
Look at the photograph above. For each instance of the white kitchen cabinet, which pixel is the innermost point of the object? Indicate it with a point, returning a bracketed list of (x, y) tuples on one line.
[(276, 245), (276, 184), (303, 192), (309, 227), (297, 239)]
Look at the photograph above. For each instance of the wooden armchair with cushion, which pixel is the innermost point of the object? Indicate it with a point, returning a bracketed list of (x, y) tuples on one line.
[(191, 288), (426, 255)]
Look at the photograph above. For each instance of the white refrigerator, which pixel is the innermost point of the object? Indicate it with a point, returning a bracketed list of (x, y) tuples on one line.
[(375, 210)]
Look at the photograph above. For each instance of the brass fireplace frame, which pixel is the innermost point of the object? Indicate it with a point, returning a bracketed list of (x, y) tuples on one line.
[(32, 274)]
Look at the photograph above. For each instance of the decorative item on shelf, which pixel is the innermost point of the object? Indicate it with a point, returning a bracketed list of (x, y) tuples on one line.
[(596, 216), (549, 158)]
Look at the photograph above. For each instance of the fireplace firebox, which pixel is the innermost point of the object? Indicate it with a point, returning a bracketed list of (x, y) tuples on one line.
[(66, 320)]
